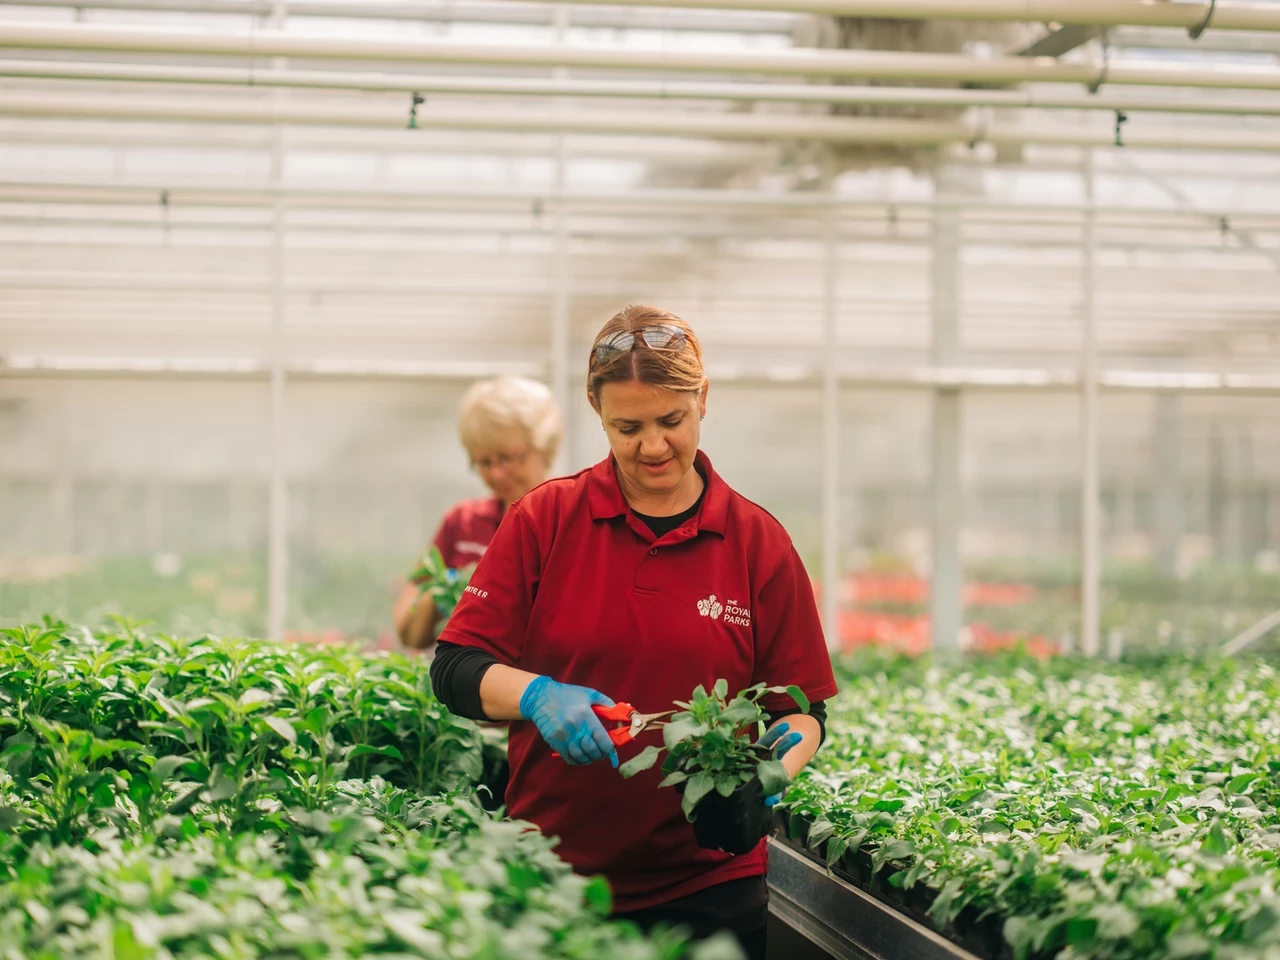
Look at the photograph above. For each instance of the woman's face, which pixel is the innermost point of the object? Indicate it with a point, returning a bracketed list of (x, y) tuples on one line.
[(508, 464), (653, 433)]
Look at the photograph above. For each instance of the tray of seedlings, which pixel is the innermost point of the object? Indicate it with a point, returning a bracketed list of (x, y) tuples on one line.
[(1061, 808), (176, 799)]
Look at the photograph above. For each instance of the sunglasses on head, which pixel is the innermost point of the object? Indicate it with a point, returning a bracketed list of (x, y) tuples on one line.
[(659, 336)]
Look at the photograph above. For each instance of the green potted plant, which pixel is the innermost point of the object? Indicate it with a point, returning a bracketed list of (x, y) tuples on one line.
[(442, 583), (723, 774)]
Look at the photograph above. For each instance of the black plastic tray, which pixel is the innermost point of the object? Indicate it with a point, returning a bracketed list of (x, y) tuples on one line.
[(977, 937), (842, 920)]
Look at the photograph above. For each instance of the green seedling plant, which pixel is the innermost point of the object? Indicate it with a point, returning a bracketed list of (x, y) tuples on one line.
[(98, 726), (708, 748), (443, 584), (180, 799), (1116, 811)]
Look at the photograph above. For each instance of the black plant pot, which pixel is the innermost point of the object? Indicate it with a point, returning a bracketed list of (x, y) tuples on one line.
[(734, 824), (781, 821), (799, 829), (494, 783)]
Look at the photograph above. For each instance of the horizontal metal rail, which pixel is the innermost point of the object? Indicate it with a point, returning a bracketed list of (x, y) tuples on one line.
[(879, 378), (1128, 101), (451, 12), (881, 65), (843, 920), (174, 192), (1193, 16)]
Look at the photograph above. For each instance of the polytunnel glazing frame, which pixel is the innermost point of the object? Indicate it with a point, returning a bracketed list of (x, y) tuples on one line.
[(944, 377)]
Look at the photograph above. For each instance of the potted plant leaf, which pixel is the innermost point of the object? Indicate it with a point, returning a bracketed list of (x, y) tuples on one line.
[(723, 775), (445, 586), (442, 583)]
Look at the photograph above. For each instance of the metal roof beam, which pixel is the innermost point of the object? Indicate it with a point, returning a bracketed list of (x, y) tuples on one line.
[(1221, 15), (880, 65), (450, 11), (658, 90), (694, 124), (921, 377)]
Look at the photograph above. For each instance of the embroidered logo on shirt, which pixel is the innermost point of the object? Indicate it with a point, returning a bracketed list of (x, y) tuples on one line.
[(482, 594), (733, 612), (710, 607), (469, 546), (736, 613)]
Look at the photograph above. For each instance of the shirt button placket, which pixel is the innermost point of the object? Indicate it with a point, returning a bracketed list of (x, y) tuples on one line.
[(653, 551)]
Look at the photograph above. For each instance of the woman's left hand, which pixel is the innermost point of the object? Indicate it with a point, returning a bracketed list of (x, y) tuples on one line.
[(781, 738)]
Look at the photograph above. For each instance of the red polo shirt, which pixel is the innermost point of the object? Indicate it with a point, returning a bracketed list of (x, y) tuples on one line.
[(467, 529), (575, 587)]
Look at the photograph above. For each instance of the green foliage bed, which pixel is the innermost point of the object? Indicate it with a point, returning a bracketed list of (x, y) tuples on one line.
[(218, 798), (1059, 809)]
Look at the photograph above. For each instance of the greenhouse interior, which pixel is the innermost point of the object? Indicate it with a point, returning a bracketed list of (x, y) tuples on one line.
[(302, 301)]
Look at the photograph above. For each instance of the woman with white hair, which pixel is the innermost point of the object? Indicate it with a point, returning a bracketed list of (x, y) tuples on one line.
[(511, 428)]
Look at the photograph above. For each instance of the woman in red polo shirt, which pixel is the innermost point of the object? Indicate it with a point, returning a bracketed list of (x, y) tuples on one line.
[(511, 429), (591, 590)]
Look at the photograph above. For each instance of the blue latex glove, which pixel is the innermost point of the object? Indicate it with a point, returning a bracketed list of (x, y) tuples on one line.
[(782, 738), (563, 715)]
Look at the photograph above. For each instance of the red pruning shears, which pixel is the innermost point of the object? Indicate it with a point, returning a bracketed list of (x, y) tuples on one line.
[(624, 722)]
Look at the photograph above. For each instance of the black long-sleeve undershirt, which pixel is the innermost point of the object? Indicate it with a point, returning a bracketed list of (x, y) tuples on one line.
[(456, 673)]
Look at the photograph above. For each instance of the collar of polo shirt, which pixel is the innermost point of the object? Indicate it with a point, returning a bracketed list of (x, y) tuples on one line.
[(604, 494)]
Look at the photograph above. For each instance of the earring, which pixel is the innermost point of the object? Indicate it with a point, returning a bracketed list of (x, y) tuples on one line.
[(702, 416)]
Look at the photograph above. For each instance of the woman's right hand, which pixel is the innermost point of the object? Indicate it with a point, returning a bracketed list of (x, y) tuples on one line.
[(563, 715)]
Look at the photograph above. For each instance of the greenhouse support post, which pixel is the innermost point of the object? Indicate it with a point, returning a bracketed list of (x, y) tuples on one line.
[(560, 360), (278, 500), (1090, 493), (1166, 483), (831, 520), (944, 593)]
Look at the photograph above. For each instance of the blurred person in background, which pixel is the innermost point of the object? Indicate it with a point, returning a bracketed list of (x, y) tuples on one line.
[(511, 429)]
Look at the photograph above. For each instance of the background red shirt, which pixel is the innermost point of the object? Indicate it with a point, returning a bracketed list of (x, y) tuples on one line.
[(575, 587), (467, 529)]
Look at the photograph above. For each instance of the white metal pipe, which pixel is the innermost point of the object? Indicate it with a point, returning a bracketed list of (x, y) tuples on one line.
[(646, 237), (1166, 484), (864, 64), (193, 193), (969, 379), (451, 12), (561, 274), (55, 133), (1090, 490), (396, 316), (1248, 171), (945, 609), (278, 497), (832, 522), (1227, 15), (694, 124), (785, 280), (53, 228), (814, 93)]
